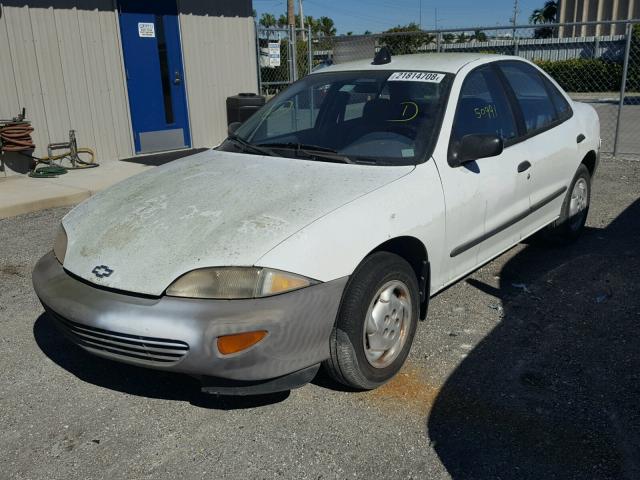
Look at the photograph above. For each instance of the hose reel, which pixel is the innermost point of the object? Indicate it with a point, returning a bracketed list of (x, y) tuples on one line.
[(15, 136)]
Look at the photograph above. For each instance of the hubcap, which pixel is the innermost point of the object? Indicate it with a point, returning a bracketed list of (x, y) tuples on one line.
[(578, 203), (387, 324)]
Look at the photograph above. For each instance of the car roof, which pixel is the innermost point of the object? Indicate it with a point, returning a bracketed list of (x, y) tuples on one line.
[(436, 62)]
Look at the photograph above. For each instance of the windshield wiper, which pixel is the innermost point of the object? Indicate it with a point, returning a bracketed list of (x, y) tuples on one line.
[(312, 152), (246, 146), (299, 146)]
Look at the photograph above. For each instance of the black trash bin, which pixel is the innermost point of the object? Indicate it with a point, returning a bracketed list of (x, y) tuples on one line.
[(240, 107)]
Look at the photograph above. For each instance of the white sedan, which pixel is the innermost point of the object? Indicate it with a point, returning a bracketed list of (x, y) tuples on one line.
[(316, 233)]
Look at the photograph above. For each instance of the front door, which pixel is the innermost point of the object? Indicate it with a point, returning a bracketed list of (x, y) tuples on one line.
[(155, 77), (485, 197)]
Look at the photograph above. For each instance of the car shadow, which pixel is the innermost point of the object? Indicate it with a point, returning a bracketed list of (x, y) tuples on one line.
[(323, 380), (136, 380), (553, 391)]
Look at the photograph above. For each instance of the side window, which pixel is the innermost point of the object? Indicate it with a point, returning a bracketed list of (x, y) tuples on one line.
[(298, 113), (537, 108), (360, 92), (561, 104), (483, 107), (355, 104)]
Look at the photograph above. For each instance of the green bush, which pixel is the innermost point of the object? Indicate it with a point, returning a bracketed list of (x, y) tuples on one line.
[(593, 75), (584, 75), (410, 42)]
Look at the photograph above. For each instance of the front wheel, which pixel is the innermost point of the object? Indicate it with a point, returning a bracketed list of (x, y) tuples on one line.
[(376, 323)]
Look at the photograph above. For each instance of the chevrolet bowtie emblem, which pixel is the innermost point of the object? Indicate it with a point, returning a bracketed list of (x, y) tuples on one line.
[(102, 271)]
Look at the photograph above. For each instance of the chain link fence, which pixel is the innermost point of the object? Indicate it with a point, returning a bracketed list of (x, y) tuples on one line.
[(602, 70), (285, 54)]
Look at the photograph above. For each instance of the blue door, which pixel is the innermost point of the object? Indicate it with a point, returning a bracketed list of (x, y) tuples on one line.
[(155, 77)]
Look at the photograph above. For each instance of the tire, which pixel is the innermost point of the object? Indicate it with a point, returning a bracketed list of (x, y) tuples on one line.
[(567, 228), (380, 277)]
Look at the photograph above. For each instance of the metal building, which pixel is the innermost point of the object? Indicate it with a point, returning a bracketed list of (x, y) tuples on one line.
[(130, 76)]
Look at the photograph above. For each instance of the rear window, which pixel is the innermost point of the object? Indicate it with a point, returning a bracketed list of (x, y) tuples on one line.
[(559, 102), (527, 84)]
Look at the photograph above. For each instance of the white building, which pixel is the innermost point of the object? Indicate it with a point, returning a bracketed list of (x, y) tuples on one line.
[(596, 10)]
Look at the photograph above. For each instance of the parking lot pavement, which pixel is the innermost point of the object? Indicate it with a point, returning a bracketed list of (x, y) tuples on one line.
[(629, 140), (529, 368)]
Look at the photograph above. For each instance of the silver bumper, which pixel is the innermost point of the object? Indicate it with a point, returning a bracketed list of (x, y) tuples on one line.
[(180, 334)]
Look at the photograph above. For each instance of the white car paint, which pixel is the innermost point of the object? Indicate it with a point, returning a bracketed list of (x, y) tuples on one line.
[(211, 209), (410, 206), (456, 205), (321, 219)]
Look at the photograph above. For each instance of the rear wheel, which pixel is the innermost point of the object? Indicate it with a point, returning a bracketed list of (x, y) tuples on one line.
[(575, 208), (376, 322)]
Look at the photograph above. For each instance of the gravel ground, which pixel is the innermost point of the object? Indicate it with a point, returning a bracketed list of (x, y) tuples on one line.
[(529, 368)]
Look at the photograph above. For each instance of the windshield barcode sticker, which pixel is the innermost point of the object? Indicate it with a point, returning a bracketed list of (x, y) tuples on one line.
[(428, 77)]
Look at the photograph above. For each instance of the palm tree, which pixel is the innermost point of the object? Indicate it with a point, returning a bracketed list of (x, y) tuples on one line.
[(479, 36), (283, 21), (267, 20), (448, 37), (309, 21), (327, 27), (462, 38), (547, 14)]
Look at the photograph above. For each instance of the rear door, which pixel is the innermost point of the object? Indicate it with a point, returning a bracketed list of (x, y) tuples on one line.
[(155, 77), (550, 138)]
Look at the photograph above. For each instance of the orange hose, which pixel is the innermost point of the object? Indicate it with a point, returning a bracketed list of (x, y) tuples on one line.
[(16, 137)]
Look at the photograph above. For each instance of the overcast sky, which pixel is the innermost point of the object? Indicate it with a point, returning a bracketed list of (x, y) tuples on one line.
[(377, 15)]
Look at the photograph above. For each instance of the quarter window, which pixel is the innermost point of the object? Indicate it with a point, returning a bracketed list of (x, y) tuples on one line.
[(561, 104), (483, 107), (537, 108)]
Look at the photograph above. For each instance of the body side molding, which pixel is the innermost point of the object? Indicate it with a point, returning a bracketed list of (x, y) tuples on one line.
[(536, 206)]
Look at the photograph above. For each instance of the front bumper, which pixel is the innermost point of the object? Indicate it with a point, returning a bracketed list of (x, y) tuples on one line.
[(179, 334)]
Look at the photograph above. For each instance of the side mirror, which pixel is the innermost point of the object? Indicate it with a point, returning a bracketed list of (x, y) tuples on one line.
[(473, 147), (233, 126)]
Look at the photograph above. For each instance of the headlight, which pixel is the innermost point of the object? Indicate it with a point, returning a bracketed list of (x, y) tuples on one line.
[(236, 282), (60, 244)]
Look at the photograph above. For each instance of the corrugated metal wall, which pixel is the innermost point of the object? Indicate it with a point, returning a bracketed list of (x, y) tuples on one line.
[(62, 61), (219, 55), (64, 65)]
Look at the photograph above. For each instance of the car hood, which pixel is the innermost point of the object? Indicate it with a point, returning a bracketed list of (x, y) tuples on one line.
[(211, 209)]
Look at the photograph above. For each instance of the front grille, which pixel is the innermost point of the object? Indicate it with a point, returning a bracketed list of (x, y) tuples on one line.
[(160, 351)]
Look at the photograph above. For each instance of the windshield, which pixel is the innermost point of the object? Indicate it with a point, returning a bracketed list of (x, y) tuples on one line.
[(382, 117)]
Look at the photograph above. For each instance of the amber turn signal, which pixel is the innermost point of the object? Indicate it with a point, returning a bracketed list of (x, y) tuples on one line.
[(228, 344)]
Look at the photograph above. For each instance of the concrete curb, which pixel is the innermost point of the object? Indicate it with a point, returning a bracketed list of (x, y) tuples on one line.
[(60, 200), (22, 194)]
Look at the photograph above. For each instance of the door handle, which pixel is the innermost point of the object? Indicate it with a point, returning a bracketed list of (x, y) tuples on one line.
[(177, 79), (524, 166)]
